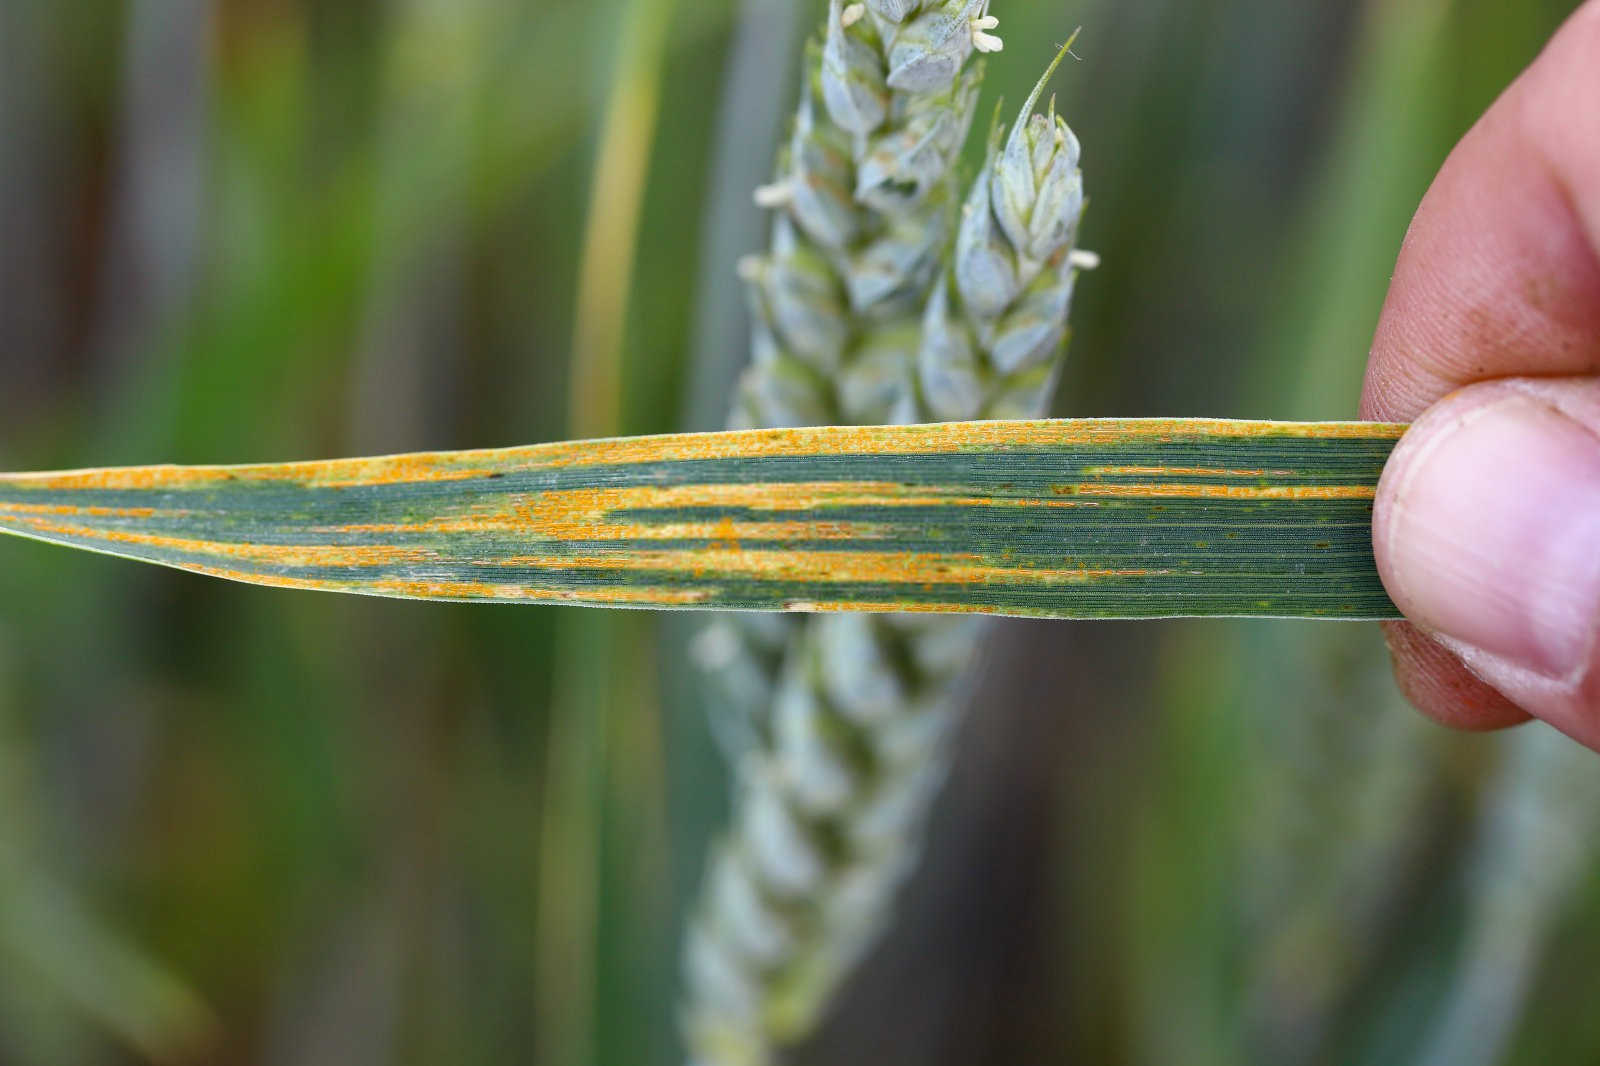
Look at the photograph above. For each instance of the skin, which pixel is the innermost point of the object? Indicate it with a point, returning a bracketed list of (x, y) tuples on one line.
[(1490, 342)]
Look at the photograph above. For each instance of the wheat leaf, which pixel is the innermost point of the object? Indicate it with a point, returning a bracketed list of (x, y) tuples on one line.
[(1068, 519)]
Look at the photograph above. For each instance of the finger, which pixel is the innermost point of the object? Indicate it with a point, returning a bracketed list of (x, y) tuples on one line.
[(1498, 275), (1487, 534), (1433, 680)]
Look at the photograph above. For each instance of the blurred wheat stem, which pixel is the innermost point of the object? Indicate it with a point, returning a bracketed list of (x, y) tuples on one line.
[(1072, 518), (610, 243), (583, 729), (48, 935)]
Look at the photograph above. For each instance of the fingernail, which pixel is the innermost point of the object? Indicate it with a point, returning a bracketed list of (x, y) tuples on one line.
[(1489, 531)]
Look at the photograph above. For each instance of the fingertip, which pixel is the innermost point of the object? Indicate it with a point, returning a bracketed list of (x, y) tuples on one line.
[(1484, 532), (1486, 519)]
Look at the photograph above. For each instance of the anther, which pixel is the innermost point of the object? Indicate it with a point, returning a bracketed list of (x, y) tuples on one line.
[(982, 40), (773, 196)]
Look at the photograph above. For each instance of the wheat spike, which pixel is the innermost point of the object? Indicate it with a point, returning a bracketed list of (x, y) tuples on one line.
[(876, 302)]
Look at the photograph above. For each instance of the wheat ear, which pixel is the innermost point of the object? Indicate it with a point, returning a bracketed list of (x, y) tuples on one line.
[(864, 205), (835, 778)]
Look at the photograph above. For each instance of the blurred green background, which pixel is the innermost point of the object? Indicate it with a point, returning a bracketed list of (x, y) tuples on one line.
[(249, 826)]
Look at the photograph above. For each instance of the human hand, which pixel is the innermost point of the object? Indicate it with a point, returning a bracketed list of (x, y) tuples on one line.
[(1487, 522)]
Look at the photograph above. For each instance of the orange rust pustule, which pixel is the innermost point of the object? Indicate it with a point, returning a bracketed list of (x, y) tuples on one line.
[(330, 473), (852, 567), (464, 590), (828, 441), (526, 521), (1168, 472), (69, 511), (586, 513), (886, 607), (940, 439), (295, 555), (1222, 492)]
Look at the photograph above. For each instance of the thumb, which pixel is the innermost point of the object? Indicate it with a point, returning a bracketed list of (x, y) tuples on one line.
[(1487, 534)]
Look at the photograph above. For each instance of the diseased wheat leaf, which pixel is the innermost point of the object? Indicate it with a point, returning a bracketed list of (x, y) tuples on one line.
[(1070, 519)]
